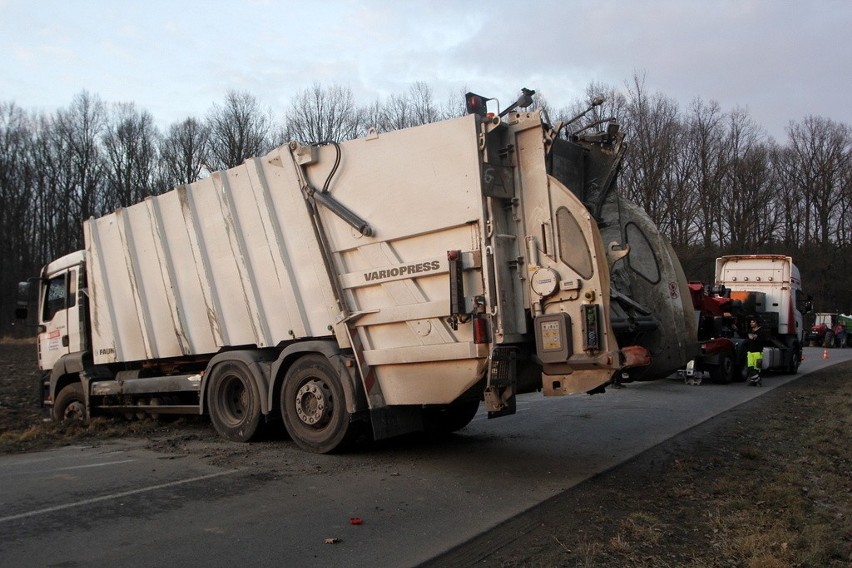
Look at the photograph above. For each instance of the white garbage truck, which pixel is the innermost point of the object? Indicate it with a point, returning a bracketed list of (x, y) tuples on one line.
[(768, 288), (763, 287), (382, 285)]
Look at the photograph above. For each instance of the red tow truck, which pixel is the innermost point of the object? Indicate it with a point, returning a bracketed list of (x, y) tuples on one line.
[(722, 353)]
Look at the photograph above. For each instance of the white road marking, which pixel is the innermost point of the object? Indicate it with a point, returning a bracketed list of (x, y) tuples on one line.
[(102, 464), (59, 453), (113, 496)]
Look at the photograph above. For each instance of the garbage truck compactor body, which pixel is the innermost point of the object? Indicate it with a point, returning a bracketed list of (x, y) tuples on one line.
[(382, 285)]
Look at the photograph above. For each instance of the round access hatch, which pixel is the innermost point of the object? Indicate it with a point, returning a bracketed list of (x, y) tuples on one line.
[(544, 282)]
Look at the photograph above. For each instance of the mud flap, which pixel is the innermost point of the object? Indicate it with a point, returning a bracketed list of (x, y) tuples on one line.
[(501, 387), (391, 421)]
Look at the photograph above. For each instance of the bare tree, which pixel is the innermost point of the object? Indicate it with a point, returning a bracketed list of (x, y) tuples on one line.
[(820, 151), (790, 202), (455, 105), (184, 152), (374, 116), (320, 114), (684, 221), (747, 194), (397, 113), (652, 129), (15, 171), (709, 178), (44, 179), (17, 236), (706, 153), (239, 129), (76, 134), (423, 106), (844, 213), (130, 144)]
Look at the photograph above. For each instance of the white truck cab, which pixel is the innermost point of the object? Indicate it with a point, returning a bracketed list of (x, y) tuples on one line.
[(62, 312)]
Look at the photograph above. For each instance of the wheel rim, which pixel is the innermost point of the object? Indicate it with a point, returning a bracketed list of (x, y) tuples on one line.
[(76, 410), (314, 404), (235, 400)]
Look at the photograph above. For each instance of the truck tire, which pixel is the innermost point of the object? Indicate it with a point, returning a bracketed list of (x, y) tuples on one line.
[(793, 368), (740, 367), (449, 418), (313, 406), (233, 402), (70, 404), (723, 373)]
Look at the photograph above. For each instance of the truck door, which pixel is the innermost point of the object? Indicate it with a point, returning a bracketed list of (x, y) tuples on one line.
[(59, 332)]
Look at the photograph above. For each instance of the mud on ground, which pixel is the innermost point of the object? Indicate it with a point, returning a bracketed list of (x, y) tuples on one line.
[(19, 395), (765, 485), (24, 426)]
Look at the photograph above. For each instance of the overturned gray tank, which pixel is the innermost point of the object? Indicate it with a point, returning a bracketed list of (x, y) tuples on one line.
[(650, 302)]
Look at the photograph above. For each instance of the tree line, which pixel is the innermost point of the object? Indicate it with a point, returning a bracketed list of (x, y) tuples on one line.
[(711, 178)]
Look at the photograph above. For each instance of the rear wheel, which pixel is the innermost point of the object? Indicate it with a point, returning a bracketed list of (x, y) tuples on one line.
[(70, 404), (313, 406), (234, 402), (449, 418)]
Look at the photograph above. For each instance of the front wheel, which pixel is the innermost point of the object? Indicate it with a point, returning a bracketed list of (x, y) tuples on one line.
[(313, 406), (797, 360), (70, 404), (234, 402)]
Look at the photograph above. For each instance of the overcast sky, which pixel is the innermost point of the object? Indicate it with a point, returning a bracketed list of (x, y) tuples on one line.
[(780, 60)]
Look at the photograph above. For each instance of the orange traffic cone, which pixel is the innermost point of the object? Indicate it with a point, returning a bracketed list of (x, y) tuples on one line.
[(825, 353)]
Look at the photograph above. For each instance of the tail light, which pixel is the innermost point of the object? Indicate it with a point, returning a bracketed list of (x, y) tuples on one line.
[(480, 330)]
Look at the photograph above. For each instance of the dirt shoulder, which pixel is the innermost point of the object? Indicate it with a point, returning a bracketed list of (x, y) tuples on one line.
[(19, 396), (23, 427), (764, 485)]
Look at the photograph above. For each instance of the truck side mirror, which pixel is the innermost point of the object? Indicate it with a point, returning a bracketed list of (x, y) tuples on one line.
[(21, 310), (27, 298)]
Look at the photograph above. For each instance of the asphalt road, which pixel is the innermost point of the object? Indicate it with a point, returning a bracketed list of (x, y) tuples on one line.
[(119, 504)]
